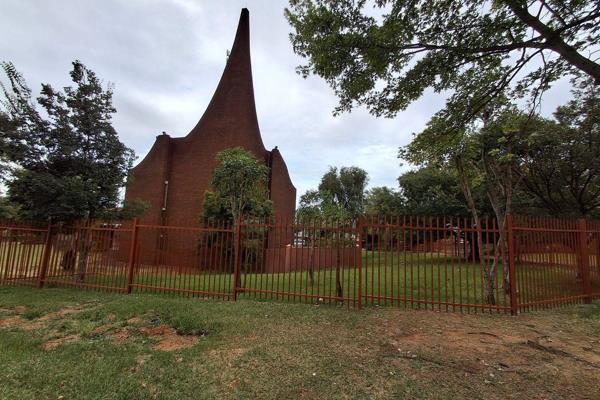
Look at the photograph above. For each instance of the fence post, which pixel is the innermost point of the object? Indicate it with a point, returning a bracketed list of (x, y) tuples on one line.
[(585, 260), (132, 254), (45, 258), (359, 259), (237, 259), (512, 270)]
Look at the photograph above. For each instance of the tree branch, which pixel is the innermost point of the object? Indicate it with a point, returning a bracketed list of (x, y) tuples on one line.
[(554, 41)]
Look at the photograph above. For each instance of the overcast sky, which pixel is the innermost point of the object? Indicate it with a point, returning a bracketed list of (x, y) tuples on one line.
[(165, 58)]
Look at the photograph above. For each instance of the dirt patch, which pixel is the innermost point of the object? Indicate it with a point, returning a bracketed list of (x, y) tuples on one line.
[(17, 321), (168, 339), (56, 342), (489, 350), (61, 313), (11, 322), (15, 310), (120, 337), (21, 323)]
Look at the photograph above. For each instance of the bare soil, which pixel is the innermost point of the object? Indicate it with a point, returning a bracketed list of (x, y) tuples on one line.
[(168, 339)]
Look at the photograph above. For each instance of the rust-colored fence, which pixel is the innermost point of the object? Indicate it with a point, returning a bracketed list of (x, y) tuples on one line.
[(413, 262)]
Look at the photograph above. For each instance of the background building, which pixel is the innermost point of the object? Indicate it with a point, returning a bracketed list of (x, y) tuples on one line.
[(176, 173)]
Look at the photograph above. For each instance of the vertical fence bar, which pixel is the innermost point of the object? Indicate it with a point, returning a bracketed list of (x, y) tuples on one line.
[(45, 258), (237, 258), (585, 260), (359, 260), (514, 306), (132, 254)]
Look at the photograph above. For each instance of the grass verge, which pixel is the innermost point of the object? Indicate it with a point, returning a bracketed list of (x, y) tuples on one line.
[(69, 344)]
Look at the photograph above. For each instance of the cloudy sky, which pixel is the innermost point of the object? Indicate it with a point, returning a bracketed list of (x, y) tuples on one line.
[(165, 58)]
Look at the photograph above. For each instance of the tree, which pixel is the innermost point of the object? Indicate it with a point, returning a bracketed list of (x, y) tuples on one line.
[(8, 210), (562, 170), (18, 121), (239, 186), (70, 163), (475, 50), (478, 155), (340, 195), (239, 190), (434, 190), (383, 201)]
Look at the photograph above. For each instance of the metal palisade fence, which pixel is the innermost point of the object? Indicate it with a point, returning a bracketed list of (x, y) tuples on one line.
[(438, 263)]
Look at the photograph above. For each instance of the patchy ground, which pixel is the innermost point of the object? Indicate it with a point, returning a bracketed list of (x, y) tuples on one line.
[(75, 345), (165, 337)]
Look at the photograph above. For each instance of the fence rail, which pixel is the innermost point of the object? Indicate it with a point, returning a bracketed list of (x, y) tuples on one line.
[(413, 262)]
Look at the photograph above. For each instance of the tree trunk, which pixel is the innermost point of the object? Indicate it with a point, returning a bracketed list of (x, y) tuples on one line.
[(503, 248), (237, 252), (489, 271), (500, 195)]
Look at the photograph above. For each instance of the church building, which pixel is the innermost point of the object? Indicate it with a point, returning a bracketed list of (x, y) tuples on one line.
[(176, 173)]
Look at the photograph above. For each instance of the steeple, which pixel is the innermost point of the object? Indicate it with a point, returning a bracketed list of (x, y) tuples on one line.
[(176, 173), (232, 111)]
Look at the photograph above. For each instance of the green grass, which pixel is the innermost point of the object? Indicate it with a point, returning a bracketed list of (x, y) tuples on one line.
[(269, 350), (385, 280)]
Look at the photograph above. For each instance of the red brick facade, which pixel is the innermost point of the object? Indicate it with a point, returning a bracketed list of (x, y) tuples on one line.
[(175, 174)]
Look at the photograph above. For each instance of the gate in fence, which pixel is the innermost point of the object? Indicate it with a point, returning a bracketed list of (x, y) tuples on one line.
[(432, 263)]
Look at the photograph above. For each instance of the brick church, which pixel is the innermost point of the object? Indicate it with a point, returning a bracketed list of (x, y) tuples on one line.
[(175, 174)]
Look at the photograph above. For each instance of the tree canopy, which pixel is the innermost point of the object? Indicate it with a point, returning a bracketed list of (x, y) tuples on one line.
[(383, 201), (239, 187), (384, 54), (562, 170), (341, 194), (69, 161), (432, 191), (545, 166)]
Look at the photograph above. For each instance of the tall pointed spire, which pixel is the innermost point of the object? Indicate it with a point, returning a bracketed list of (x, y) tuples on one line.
[(232, 110), (175, 175)]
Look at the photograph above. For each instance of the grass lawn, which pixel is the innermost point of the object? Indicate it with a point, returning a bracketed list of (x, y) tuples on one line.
[(387, 279), (75, 344), (419, 280)]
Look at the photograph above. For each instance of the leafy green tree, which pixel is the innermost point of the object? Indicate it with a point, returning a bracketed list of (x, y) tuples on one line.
[(383, 201), (494, 156), (8, 210), (385, 54), (482, 53), (70, 163), (340, 195), (434, 190), (562, 170), (239, 191), (239, 187)]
